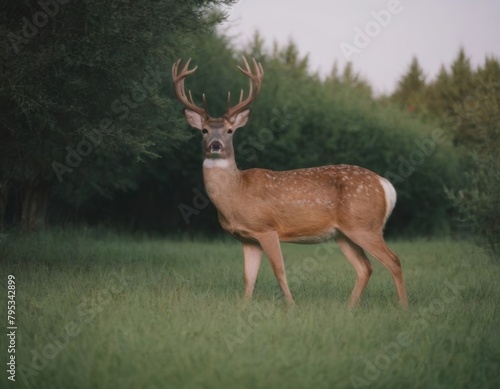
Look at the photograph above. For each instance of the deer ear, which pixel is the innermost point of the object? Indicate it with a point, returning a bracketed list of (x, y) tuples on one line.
[(241, 118), (194, 119)]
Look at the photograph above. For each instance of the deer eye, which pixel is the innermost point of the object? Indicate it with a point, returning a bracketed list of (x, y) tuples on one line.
[(230, 131), (204, 131)]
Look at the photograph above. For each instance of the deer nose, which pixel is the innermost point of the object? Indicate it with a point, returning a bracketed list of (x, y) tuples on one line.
[(216, 146)]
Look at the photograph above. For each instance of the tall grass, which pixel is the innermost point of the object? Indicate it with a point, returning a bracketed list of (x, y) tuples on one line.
[(99, 310)]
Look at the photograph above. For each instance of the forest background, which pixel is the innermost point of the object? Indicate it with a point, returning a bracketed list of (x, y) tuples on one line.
[(91, 134)]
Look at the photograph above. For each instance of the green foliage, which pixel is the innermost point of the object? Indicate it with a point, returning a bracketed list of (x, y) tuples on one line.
[(410, 92), (82, 86), (466, 102), (479, 133), (479, 203)]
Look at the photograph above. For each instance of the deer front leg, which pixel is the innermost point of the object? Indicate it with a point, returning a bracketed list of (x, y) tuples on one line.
[(270, 243), (252, 253)]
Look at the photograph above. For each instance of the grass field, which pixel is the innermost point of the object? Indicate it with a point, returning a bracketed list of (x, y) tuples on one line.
[(97, 310)]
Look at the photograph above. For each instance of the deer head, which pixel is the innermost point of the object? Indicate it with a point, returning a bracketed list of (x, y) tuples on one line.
[(217, 132)]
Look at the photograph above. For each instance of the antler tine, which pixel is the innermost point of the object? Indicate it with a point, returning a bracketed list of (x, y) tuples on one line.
[(180, 91), (205, 107), (247, 69), (255, 81), (190, 96)]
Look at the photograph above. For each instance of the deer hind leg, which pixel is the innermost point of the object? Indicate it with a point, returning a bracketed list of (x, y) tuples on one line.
[(270, 243), (374, 243), (361, 264), (252, 253)]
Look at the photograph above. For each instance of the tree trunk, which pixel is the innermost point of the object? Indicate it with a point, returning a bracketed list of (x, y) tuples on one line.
[(34, 200)]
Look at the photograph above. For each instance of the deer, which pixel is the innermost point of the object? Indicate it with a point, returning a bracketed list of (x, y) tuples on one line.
[(262, 207)]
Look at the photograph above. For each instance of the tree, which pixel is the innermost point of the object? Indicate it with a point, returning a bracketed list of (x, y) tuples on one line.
[(411, 88), (461, 76), (466, 103), (438, 94), (348, 78), (81, 89), (477, 132)]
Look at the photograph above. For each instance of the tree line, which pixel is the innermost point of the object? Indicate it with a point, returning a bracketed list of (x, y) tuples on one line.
[(91, 133), (465, 100)]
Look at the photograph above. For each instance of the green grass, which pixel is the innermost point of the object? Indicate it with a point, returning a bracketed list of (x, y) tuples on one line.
[(97, 310)]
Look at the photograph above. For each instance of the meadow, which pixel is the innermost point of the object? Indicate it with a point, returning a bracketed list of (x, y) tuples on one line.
[(102, 310)]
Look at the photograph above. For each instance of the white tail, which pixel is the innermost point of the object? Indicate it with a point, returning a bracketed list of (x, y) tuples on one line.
[(263, 207)]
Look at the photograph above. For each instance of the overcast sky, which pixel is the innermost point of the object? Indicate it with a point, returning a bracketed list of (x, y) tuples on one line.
[(378, 37)]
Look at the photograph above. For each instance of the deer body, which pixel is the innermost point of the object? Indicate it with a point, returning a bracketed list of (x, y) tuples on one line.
[(263, 207), (302, 206)]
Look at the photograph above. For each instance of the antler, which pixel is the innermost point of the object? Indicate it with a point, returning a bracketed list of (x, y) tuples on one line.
[(254, 79), (180, 92)]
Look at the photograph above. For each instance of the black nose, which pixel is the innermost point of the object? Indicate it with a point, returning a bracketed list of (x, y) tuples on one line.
[(216, 146)]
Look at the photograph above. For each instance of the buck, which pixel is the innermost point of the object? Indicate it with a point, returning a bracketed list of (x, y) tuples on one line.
[(262, 207)]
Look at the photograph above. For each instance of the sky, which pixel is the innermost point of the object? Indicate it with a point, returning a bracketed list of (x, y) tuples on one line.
[(379, 37)]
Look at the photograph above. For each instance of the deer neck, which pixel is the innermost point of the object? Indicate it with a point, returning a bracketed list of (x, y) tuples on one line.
[(221, 177)]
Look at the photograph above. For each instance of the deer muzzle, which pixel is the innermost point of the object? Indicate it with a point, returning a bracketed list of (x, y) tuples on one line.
[(216, 147)]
